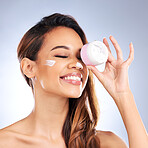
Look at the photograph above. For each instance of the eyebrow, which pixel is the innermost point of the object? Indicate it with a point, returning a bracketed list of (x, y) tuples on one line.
[(56, 47)]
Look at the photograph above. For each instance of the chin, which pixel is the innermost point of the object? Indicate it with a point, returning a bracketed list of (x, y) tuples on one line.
[(74, 94)]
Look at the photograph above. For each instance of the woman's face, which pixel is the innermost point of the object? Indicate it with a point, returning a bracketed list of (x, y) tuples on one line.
[(60, 70)]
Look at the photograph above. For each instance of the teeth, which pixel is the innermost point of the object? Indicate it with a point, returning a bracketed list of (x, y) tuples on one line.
[(72, 78)]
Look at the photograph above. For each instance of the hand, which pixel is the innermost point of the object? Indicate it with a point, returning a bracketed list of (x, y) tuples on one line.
[(115, 76)]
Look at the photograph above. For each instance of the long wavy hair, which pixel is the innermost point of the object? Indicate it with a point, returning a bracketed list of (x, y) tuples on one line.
[(79, 127)]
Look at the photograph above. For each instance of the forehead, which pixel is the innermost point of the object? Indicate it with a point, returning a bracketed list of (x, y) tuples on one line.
[(62, 36)]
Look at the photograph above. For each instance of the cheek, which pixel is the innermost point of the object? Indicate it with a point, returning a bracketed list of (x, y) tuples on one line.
[(51, 70), (50, 63), (86, 71), (47, 72), (86, 74)]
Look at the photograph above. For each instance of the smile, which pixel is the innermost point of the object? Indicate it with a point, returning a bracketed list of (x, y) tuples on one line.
[(73, 78)]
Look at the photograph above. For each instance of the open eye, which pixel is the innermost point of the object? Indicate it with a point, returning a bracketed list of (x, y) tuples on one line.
[(61, 56)]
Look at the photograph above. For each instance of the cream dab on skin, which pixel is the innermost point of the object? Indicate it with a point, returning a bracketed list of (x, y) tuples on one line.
[(79, 65), (41, 82), (34, 81), (50, 62)]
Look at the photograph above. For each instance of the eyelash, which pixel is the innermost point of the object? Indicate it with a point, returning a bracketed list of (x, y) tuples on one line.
[(58, 56), (61, 56)]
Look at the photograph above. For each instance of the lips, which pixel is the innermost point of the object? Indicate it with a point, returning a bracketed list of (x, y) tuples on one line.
[(72, 78)]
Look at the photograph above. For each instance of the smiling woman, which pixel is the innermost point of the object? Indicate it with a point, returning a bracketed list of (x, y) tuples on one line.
[(49, 55), (66, 109)]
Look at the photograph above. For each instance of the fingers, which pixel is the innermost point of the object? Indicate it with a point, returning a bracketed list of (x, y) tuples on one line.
[(118, 51), (131, 55), (110, 56), (96, 72), (117, 48), (106, 43)]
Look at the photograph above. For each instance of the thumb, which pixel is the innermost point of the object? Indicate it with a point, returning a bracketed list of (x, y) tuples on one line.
[(96, 72)]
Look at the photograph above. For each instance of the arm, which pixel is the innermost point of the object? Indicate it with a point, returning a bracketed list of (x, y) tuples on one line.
[(115, 80), (137, 134)]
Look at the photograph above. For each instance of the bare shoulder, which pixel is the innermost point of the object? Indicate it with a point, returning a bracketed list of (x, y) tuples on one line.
[(14, 137), (6, 140), (110, 140), (9, 136)]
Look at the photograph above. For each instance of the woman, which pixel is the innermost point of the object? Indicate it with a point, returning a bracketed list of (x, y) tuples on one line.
[(66, 110)]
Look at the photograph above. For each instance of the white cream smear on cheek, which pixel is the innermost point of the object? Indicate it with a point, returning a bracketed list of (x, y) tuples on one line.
[(50, 62), (79, 65)]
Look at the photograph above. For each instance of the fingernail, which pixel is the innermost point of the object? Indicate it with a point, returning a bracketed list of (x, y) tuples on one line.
[(110, 36)]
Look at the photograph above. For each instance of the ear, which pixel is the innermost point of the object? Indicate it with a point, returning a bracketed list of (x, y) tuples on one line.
[(28, 67)]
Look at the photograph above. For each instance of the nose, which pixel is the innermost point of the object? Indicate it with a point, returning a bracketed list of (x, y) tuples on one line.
[(76, 65)]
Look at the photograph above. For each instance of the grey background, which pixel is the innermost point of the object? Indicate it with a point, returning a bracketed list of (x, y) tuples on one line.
[(126, 20)]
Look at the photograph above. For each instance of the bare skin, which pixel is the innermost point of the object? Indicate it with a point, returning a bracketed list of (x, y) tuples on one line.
[(10, 138), (43, 127)]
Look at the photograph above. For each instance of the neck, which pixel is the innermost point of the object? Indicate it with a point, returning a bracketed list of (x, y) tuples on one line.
[(49, 114)]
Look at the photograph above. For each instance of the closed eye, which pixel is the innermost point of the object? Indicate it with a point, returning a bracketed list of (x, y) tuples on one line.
[(61, 56), (58, 56)]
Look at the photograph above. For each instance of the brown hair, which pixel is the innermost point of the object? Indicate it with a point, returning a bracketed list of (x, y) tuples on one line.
[(79, 127)]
